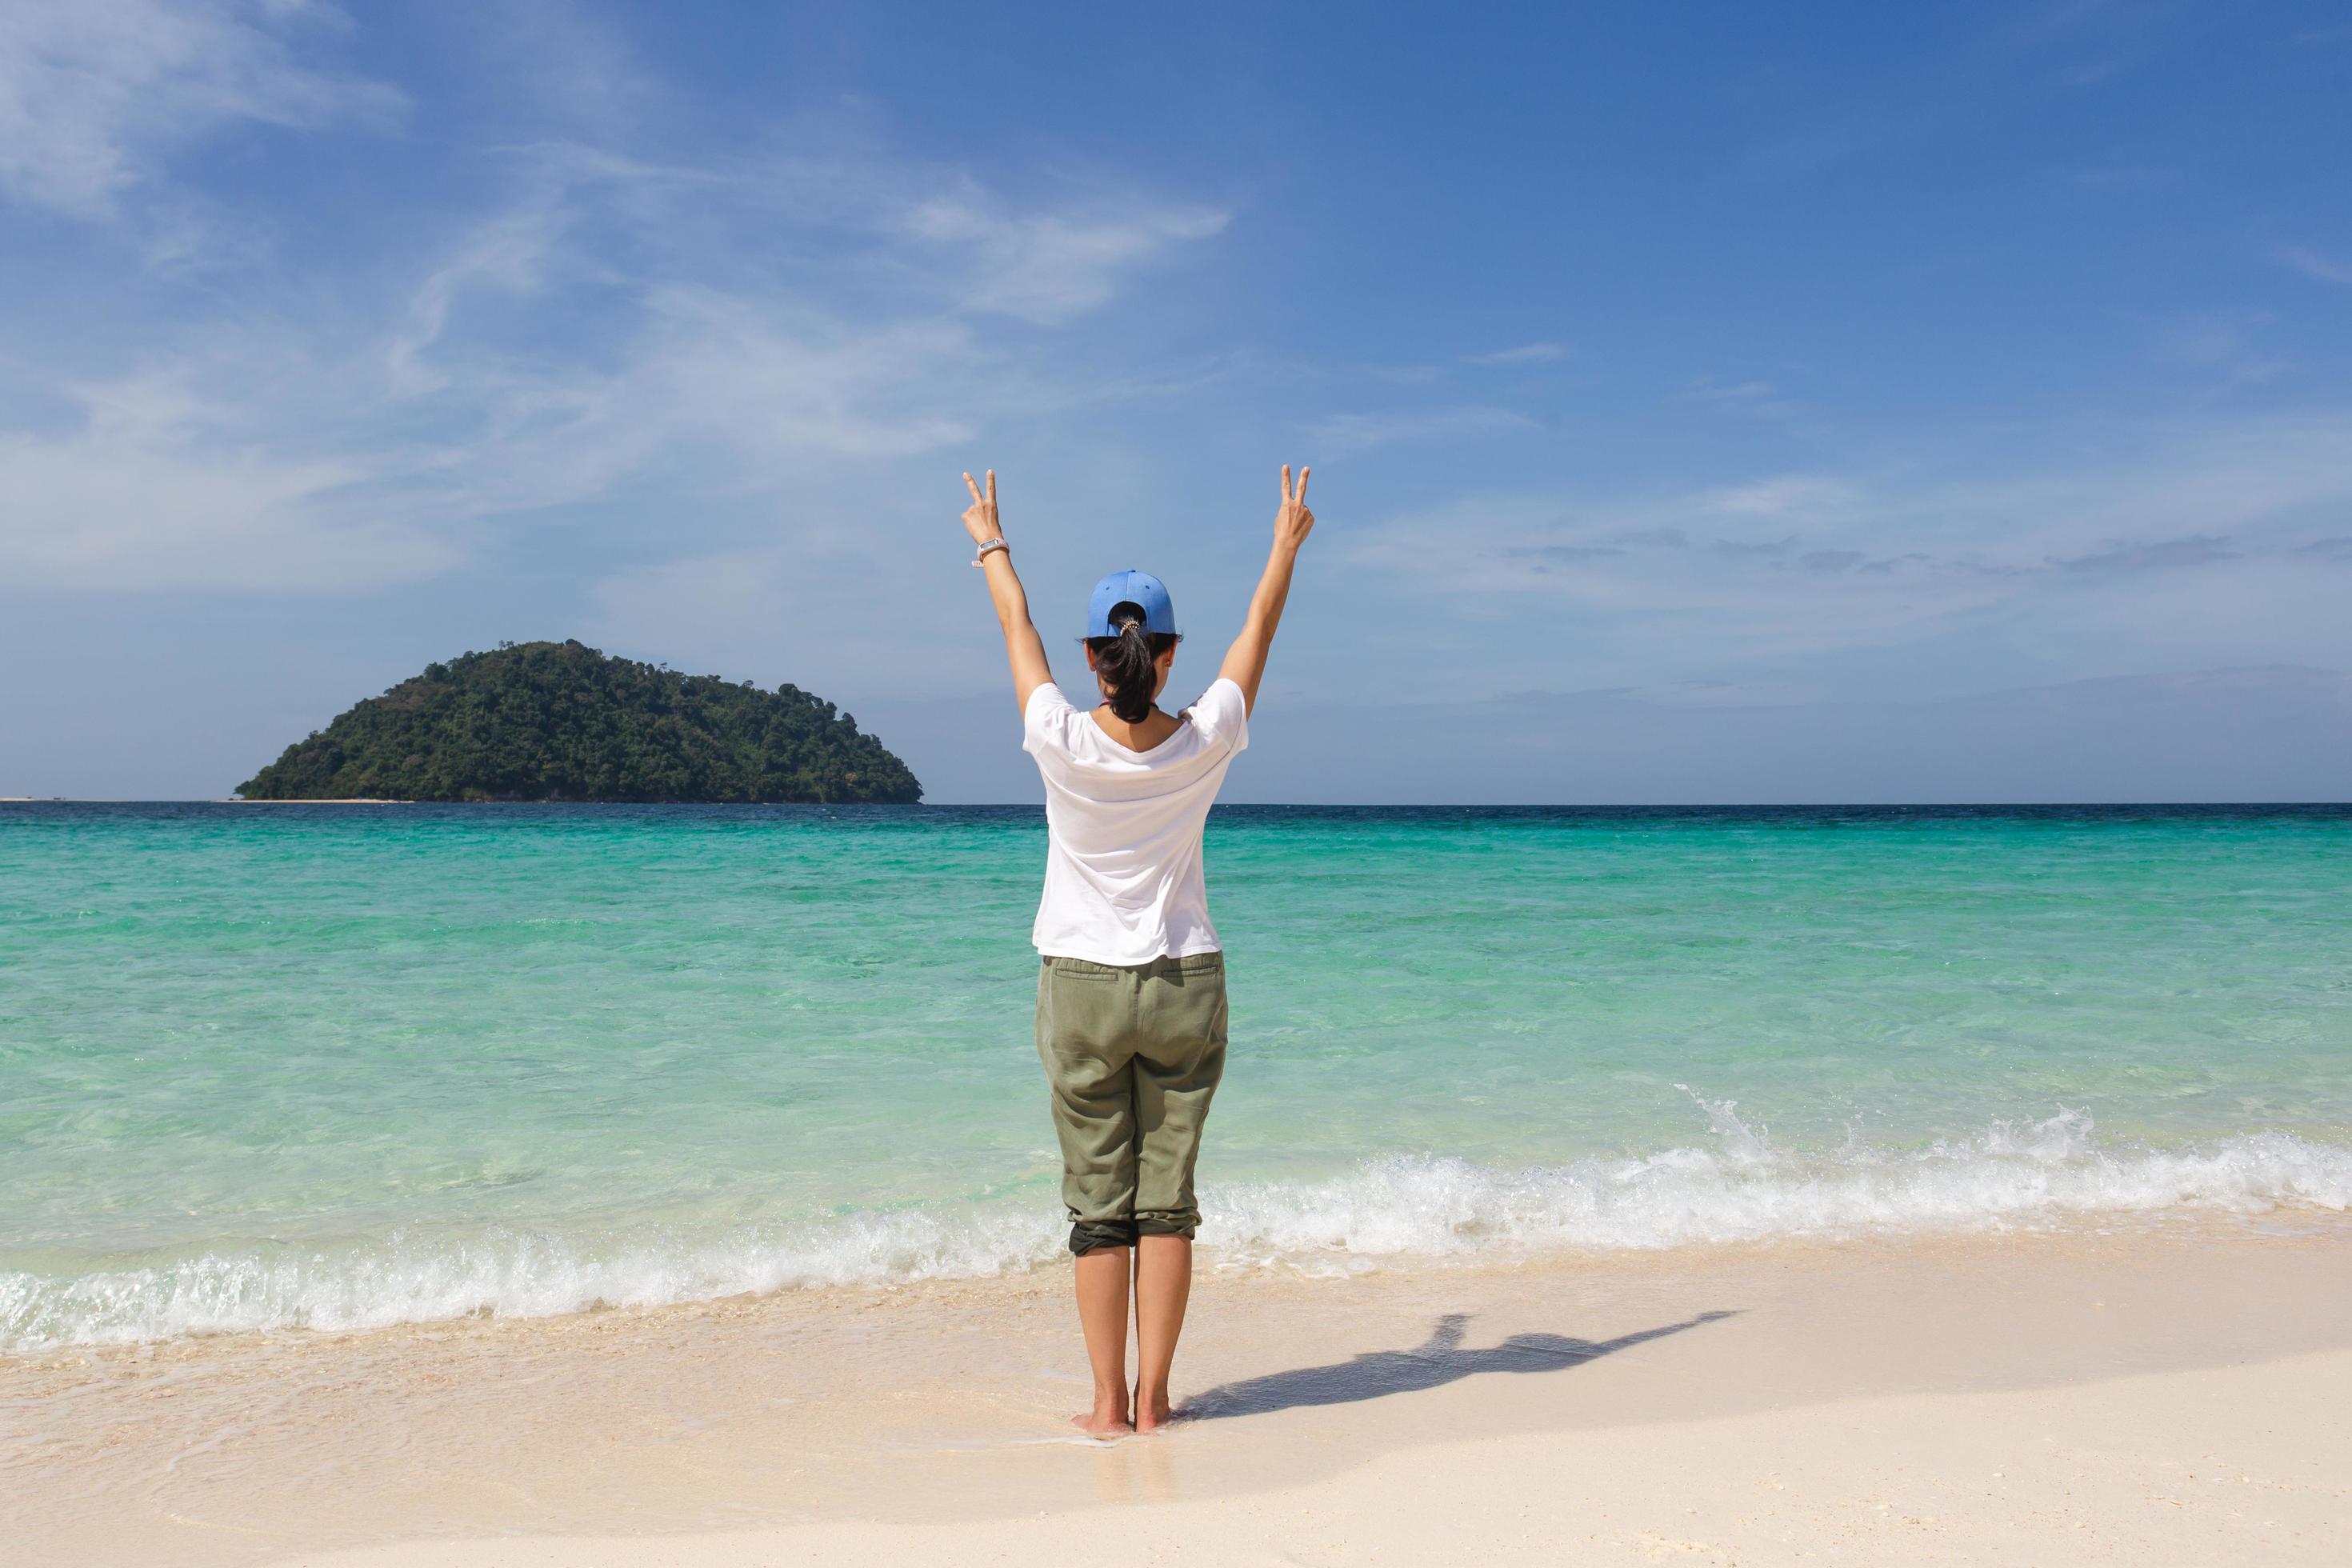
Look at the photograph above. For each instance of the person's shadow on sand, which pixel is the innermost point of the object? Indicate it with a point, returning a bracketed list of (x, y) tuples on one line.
[(1437, 1360)]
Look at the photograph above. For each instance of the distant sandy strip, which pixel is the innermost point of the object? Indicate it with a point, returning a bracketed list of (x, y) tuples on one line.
[(2167, 1396)]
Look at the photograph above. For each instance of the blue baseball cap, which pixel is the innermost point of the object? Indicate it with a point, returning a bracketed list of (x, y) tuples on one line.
[(1141, 588)]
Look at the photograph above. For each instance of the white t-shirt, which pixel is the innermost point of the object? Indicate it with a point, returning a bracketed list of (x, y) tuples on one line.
[(1123, 828)]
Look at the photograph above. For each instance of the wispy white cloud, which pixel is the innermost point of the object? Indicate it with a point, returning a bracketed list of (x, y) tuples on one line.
[(2312, 263), (2223, 345), (1810, 499), (508, 254), (721, 328), (572, 61), (153, 490), (1806, 561), (737, 609), (1047, 267), (97, 95)]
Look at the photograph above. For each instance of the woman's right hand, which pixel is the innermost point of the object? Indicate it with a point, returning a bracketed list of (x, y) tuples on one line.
[(1021, 642), (980, 517), (1294, 522)]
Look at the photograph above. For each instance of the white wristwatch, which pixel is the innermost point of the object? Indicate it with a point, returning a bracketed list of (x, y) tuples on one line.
[(987, 545)]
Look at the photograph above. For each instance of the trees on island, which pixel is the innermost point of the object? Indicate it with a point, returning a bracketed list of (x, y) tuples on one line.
[(561, 722)]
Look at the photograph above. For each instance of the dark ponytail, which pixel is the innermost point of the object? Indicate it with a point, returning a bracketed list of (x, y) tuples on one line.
[(1125, 664)]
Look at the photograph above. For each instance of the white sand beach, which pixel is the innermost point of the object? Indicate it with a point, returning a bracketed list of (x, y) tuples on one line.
[(2169, 1395)]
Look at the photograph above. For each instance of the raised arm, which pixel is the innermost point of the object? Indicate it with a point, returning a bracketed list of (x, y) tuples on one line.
[(1245, 663), (1021, 642)]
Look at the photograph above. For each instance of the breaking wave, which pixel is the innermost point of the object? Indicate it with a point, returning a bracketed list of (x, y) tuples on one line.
[(1741, 1188)]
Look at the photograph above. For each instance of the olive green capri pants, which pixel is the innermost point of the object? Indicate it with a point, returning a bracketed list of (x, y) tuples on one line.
[(1132, 1055)]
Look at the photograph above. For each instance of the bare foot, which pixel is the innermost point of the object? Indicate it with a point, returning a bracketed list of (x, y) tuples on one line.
[(1151, 1413), (1102, 1422)]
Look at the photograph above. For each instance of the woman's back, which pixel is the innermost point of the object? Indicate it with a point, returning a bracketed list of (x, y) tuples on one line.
[(1123, 875)]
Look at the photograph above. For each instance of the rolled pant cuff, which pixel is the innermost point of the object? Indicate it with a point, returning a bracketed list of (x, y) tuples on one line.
[(1092, 1234)]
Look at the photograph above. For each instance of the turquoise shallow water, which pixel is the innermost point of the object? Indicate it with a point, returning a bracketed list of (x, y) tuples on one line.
[(336, 1065)]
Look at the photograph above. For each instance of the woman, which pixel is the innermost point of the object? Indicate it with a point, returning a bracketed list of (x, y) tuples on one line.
[(1131, 981)]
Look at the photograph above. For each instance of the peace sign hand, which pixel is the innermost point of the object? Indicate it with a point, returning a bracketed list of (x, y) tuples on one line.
[(1294, 522), (980, 517)]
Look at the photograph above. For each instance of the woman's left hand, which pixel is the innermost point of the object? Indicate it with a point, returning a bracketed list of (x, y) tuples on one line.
[(1293, 523), (980, 517)]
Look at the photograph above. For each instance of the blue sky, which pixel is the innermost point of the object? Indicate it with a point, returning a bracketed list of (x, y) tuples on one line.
[(1707, 403)]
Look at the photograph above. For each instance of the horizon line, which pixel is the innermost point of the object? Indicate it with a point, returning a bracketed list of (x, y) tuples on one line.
[(1225, 806)]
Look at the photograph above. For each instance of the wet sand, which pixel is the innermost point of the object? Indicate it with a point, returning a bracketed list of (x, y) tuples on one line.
[(2044, 1397)]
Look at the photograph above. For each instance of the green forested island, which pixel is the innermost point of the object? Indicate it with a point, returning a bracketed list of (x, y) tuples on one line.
[(550, 721)]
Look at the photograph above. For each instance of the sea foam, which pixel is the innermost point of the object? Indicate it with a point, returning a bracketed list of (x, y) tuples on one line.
[(1745, 1189), (1740, 1188)]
